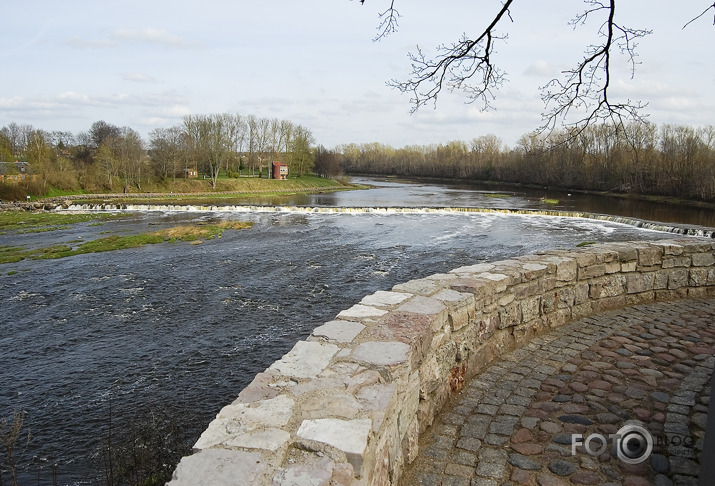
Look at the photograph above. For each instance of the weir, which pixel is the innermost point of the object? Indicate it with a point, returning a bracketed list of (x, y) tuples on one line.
[(347, 405), (687, 230)]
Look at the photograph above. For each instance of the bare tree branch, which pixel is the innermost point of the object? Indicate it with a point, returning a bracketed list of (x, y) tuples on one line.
[(456, 68), (704, 12), (468, 66), (586, 87), (388, 21)]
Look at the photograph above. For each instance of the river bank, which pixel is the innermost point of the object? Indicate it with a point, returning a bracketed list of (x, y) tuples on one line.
[(193, 191)]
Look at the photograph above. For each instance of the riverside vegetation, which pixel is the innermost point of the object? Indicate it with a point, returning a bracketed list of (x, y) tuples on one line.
[(26, 222)]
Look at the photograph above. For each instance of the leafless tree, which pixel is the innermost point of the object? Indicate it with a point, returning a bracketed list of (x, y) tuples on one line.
[(469, 65)]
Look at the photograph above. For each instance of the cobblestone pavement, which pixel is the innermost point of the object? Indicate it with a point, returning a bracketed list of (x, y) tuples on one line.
[(649, 365)]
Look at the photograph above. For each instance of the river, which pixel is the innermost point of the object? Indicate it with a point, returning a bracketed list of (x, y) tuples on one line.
[(100, 340)]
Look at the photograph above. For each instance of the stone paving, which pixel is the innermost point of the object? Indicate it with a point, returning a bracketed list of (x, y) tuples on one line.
[(647, 365)]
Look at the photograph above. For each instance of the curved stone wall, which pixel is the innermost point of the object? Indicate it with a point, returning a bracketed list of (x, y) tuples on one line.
[(347, 405)]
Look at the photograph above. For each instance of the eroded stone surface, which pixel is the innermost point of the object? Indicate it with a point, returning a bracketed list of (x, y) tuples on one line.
[(385, 299), (305, 360), (381, 353), (359, 311), (350, 436), (219, 467), (339, 331)]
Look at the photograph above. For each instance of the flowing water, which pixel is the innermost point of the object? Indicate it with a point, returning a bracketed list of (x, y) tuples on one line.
[(99, 339)]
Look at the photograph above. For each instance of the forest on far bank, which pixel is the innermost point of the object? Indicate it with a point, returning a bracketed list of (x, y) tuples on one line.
[(639, 158)]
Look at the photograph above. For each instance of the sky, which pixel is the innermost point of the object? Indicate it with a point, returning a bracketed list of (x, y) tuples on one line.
[(147, 63)]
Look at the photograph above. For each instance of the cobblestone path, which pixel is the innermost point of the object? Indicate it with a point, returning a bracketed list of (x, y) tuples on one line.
[(649, 365)]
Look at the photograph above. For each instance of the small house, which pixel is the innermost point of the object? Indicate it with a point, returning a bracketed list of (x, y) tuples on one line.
[(280, 171), (191, 173), (14, 171)]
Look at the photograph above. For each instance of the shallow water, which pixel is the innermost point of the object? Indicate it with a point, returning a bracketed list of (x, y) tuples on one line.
[(184, 327)]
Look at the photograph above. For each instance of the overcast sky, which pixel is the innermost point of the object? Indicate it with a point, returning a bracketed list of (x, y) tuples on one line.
[(146, 63)]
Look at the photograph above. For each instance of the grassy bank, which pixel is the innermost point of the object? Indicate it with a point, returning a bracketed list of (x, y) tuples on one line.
[(191, 233), (193, 189)]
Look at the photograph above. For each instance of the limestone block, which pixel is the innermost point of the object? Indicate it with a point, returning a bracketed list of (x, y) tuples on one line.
[(379, 396), (430, 376), (607, 287), (565, 267), (243, 419), (381, 353), (474, 269), (219, 467), (480, 288), (423, 286), (703, 259), (410, 442), (305, 360), (349, 436), (650, 256), (591, 271), (259, 389), (549, 302), (693, 245), (530, 309), (670, 247), (557, 318), (628, 267), (359, 311), (303, 475), (677, 279), (501, 281), (275, 412), (408, 410), (314, 470), (509, 315), (627, 252), (581, 293), (339, 331), (385, 299), (324, 384), (528, 289), (711, 276), (676, 261), (461, 306), (363, 378), (269, 439), (661, 279), (506, 299), (427, 306), (343, 405), (531, 271), (584, 257), (613, 267), (566, 297), (639, 282)]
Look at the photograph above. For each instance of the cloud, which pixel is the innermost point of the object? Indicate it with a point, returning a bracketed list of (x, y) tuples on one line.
[(79, 43), (150, 36), (147, 35), (540, 69), (138, 78)]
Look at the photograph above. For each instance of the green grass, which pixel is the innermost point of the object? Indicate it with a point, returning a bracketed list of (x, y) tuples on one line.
[(586, 243), (546, 200), (187, 233), (26, 221), (497, 195)]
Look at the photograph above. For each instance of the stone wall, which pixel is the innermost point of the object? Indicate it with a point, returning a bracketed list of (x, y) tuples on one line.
[(347, 405)]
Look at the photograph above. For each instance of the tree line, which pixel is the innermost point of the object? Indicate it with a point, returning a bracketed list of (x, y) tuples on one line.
[(638, 158), (111, 158)]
